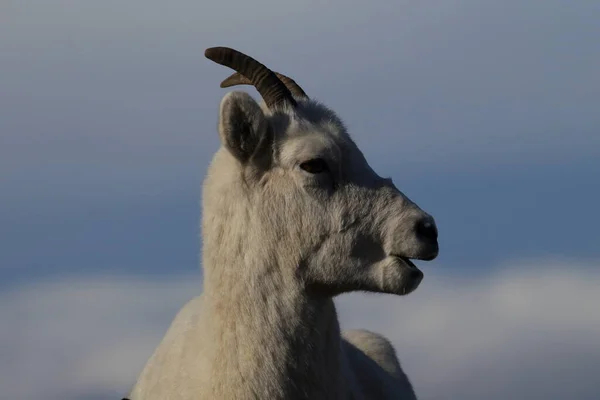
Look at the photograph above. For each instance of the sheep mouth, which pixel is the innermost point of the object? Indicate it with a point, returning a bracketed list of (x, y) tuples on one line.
[(406, 263)]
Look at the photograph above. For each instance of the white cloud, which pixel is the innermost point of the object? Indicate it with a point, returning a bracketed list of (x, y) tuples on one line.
[(530, 332), (69, 338)]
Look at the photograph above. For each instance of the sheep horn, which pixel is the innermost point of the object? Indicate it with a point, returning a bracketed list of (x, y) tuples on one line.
[(238, 79), (272, 90)]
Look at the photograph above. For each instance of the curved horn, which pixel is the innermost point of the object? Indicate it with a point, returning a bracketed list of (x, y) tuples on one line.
[(272, 90), (238, 79)]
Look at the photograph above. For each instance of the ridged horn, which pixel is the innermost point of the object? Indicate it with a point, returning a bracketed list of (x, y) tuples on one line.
[(238, 79), (273, 91)]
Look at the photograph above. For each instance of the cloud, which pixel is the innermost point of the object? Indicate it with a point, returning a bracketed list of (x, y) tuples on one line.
[(83, 336), (529, 332), (117, 98)]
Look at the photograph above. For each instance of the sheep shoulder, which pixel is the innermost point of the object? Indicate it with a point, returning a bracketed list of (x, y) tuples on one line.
[(375, 366)]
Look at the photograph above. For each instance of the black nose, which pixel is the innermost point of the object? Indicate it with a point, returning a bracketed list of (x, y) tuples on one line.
[(427, 230)]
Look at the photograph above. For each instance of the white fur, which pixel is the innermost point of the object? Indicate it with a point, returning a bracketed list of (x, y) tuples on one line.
[(279, 244)]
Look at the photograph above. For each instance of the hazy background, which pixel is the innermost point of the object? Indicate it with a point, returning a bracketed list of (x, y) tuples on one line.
[(486, 113)]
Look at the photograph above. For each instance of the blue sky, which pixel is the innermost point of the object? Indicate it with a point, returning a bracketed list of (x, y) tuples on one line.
[(484, 113)]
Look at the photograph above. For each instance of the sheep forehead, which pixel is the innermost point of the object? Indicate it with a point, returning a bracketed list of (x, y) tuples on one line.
[(311, 131), (308, 145), (307, 115)]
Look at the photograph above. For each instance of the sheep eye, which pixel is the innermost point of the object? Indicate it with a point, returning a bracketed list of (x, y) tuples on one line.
[(315, 166)]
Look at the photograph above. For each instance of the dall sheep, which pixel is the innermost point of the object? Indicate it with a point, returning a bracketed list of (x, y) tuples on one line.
[(293, 215)]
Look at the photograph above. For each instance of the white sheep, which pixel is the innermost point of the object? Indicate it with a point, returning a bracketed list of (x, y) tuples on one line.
[(293, 215)]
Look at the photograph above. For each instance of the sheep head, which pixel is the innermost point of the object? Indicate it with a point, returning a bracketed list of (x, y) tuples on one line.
[(290, 193)]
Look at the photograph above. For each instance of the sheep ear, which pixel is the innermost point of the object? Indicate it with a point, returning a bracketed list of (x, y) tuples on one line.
[(244, 130)]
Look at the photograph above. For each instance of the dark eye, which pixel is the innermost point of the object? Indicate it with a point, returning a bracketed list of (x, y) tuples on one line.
[(314, 166)]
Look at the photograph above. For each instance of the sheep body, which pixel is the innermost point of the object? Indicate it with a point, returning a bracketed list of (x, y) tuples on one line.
[(373, 372)]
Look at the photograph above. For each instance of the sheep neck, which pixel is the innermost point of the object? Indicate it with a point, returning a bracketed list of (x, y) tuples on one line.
[(269, 338)]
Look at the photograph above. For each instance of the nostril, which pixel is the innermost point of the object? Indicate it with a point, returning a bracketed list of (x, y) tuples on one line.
[(427, 230)]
